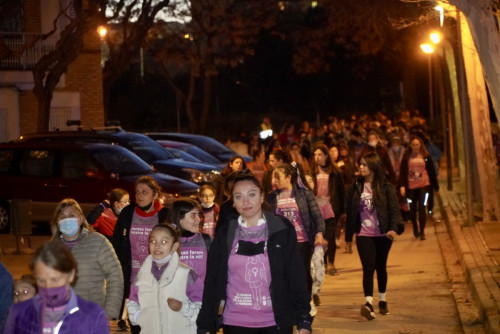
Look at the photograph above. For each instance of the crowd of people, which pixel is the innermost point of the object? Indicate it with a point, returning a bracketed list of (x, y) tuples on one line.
[(249, 255)]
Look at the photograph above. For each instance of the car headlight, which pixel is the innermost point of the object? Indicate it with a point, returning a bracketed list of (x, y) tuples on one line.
[(197, 176)]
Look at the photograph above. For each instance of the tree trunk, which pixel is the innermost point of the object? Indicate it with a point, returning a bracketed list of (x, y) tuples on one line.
[(207, 98), (485, 158), (193, 121)]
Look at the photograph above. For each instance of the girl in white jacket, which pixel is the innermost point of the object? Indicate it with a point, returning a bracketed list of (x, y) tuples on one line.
[(166, 295)]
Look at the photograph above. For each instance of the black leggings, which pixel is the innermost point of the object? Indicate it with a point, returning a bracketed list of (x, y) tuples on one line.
[(330, 228), (305, 251), (267, 330), (419, 198), (373, 252)]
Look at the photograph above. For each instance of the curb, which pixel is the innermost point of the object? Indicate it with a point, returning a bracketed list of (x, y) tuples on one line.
[(477, 274)]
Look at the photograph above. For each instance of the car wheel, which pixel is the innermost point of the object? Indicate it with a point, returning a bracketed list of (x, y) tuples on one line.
[(4, 218)]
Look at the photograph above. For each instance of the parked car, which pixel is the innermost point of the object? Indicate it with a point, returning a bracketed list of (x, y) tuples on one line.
[(47, 172), (145, 147), (208, 144), (193, 150)]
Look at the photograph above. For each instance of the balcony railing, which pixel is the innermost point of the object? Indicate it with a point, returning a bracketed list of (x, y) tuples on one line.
[(26, 49)]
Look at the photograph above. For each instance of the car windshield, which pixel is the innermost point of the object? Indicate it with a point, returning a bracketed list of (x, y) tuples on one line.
[(146, 148), (118, 160), (211, 145), (202, 155), (179, 154)]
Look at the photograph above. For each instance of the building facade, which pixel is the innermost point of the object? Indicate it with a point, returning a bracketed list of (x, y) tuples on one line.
[(78, 95)]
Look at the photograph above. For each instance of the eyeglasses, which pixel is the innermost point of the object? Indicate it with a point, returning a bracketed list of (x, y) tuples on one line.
[(125, 202), (207, 196)]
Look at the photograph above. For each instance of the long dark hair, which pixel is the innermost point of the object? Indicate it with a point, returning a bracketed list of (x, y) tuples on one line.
[(329, 164), (228, 170), (409, 150), (179, 209), (374, 163)]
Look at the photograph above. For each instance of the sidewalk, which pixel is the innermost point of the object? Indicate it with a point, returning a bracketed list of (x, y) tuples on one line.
[(478, 248)]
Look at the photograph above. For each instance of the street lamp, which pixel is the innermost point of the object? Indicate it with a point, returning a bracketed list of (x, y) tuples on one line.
[(429, 48), (102, 31)]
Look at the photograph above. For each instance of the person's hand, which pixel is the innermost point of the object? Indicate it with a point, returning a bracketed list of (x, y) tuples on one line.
[(348, 247), (402, 191), (319, 240), (302, 331), (391, 234), (174, 304)]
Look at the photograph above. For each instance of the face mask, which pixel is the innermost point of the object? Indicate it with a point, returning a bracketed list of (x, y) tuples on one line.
[(54, 297), (69, 226), (118, 211), (145, 208), (164, 260), (372, 143), (396, 149)]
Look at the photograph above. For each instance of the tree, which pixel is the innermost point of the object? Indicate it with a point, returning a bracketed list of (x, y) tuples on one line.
[(219, 34)]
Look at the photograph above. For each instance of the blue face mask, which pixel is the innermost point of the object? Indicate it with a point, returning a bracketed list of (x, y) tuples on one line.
[(69, 226)]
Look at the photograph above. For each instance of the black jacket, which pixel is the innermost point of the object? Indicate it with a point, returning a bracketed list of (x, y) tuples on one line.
[(289, 294), (310, 213), (121, 241), (387, 207)]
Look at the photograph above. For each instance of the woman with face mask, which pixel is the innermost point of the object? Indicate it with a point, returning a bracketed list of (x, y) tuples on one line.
[(56, 308), (99, 269), (104, 216), (130, 237)]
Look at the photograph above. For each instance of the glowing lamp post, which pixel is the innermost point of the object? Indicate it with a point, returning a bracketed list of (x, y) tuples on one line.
[(428, 48)]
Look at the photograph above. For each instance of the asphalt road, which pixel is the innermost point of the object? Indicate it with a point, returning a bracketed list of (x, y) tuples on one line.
[(426, 291)]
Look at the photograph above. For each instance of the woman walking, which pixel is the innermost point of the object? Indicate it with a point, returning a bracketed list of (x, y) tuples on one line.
[(416, 179), (255, 280), (373, 215), (330, 194), (298, 204)]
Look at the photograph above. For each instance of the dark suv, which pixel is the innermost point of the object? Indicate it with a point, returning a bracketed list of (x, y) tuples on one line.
[(146, 148), (47, 172), (208, 144)]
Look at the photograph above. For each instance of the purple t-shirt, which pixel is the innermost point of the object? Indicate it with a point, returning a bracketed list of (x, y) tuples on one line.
[(209, 221), (287, 207), (139, 240), (248, 301), (194, 254), (368, 214)]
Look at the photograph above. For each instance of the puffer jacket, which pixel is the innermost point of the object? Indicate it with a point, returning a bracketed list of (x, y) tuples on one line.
[(100, 277), (289, 295), (310, 214), (80, 317), (387, 207)]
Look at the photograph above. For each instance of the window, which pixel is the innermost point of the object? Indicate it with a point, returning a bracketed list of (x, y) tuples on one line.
[(37, 163), (5, 160), (75, 165)]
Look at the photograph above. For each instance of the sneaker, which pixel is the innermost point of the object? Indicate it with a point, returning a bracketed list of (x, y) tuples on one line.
[(316, 300), (367, 311), (422, 236), (122, 326), (382, 308)]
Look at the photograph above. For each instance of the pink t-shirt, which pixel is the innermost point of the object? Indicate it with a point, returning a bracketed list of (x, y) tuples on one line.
[(248, 301), (323, 195), (139, 240), (194, 254), (288, 208), (417, 174), (368, 214)]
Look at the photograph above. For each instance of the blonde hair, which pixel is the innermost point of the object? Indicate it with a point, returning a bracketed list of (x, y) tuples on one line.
[(67, 202)]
